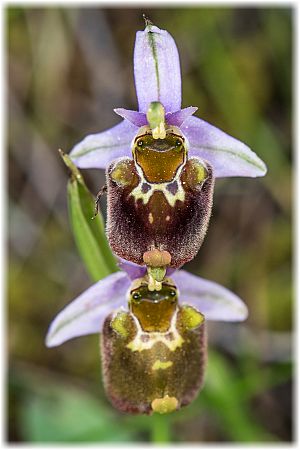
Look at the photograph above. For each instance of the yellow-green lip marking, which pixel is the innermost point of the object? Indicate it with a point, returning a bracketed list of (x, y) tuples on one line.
[(161, 365), (164, 405)]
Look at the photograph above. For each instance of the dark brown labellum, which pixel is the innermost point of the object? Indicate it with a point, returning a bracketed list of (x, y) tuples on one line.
[(159, 200)]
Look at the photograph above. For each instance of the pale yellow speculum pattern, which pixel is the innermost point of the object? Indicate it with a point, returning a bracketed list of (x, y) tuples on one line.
[(161, 365), (138, 194), (150, 218), (138, 345), (164, 405)]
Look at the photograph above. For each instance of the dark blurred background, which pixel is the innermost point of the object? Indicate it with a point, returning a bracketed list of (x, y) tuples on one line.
[(67, 68)]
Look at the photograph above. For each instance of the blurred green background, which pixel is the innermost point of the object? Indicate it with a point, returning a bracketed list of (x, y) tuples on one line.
[(67, 69)]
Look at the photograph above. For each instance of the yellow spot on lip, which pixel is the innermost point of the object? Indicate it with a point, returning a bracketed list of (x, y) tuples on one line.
[(150, 217), (118, 324), (161, 365), (191, 317), (164, 405), (168, 218)]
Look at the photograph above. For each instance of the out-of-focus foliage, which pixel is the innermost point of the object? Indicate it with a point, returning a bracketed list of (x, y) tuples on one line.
[(67, 69)]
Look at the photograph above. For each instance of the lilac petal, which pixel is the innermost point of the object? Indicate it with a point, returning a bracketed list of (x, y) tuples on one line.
[(133, 270), (98, 150), (210, 298), (137, 118), (86, 314), (157, 69), (228, 156), (170, 271), (178, 117)]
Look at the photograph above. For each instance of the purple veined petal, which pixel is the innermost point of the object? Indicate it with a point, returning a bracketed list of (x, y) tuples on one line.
[(213, 300), (98, 150), (228, 156), (177, 118), (137, 118), (157, 69), (86, 314)]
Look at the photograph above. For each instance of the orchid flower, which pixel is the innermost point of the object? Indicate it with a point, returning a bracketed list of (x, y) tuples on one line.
[(158, 79), (153, 344), (161, 162)]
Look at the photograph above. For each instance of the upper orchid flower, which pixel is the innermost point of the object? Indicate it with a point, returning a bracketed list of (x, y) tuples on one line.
[(158, 79), (153, 343), (161, 162)]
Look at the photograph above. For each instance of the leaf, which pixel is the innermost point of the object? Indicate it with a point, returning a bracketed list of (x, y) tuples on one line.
[(54, 411), (88, 231), (222, 393)]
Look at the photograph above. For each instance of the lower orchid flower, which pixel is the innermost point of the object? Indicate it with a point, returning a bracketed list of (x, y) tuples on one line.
[(153, 343)]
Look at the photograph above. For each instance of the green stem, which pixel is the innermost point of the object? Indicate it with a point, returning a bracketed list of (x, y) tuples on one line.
[(160, 429)]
